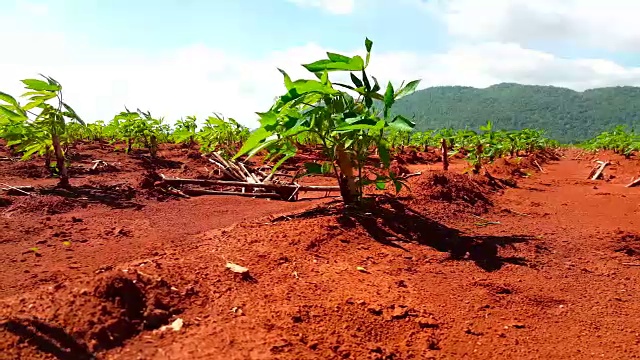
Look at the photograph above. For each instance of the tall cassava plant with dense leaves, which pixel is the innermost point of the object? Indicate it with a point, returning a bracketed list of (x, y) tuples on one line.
[(345, 118), (40, 125)]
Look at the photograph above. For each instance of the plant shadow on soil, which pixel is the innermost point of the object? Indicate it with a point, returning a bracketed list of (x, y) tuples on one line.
[(48, 339), (391, 222)]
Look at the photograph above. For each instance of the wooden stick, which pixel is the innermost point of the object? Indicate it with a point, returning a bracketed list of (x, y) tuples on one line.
[(226, 171), (249, 174), (230, 165), (411, 175), (215, 192), (600, 169), (445, 155), (96, 163), (176, 192), (204, 182), (578, 156), (635, 182), (220, 161), (535, 162), (18, 189)]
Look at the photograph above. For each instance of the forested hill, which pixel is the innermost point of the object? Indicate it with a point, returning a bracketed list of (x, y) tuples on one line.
[(566, 115)]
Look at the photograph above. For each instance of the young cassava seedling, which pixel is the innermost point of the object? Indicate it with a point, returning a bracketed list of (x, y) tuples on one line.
[(39, 126), (348, 120)]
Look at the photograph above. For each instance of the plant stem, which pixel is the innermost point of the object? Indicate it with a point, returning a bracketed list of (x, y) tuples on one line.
[(60, 161)]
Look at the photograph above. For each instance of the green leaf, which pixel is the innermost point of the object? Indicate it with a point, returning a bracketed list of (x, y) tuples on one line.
[(302, 87), (268, 119), (401, 123), (368, 44), (39, 85), (284, 158), (383, 151), (365, 80), (356, 81), (398, 185), (324, 79), (254, 140), (408, 89), (381, 182), (376, 86), (327, 167), (353, 64), (287, 80), (9, 99), (6, 113), (72, 113), (338, 58), (388, 99)]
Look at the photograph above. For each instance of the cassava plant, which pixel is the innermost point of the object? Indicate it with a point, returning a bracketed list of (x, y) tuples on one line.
[(185, 132), (138, 129), (344, 118), (222, 135), (40, 125)]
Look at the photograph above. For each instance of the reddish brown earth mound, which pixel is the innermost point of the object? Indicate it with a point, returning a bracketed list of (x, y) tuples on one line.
[(89, 316), (459, 190)]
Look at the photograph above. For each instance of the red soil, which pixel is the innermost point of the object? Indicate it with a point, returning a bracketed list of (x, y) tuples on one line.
[(460, 267)]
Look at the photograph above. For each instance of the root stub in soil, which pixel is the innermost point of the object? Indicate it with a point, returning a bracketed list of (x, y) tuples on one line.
[(74, 323)]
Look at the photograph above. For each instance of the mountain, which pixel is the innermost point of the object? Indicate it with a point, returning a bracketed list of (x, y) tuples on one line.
[(567, 115)]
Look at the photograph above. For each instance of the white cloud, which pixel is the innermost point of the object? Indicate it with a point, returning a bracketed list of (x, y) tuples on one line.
[(197, 80), (340, 7), (610, 24)]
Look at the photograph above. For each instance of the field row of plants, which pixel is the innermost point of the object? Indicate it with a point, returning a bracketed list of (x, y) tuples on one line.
[(621, 140), (346, 122)]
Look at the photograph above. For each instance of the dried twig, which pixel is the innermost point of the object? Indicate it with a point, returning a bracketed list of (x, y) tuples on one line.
[(485, 222), (596, 172), (204, 182), (535, 162), (635, 182), (406, 176), (235, 193), (18, 189)]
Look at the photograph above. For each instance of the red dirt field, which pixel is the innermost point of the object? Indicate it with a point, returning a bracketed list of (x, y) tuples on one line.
[(525, 265)]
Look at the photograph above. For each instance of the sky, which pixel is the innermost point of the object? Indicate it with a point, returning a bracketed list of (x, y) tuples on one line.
[(195, 57)]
